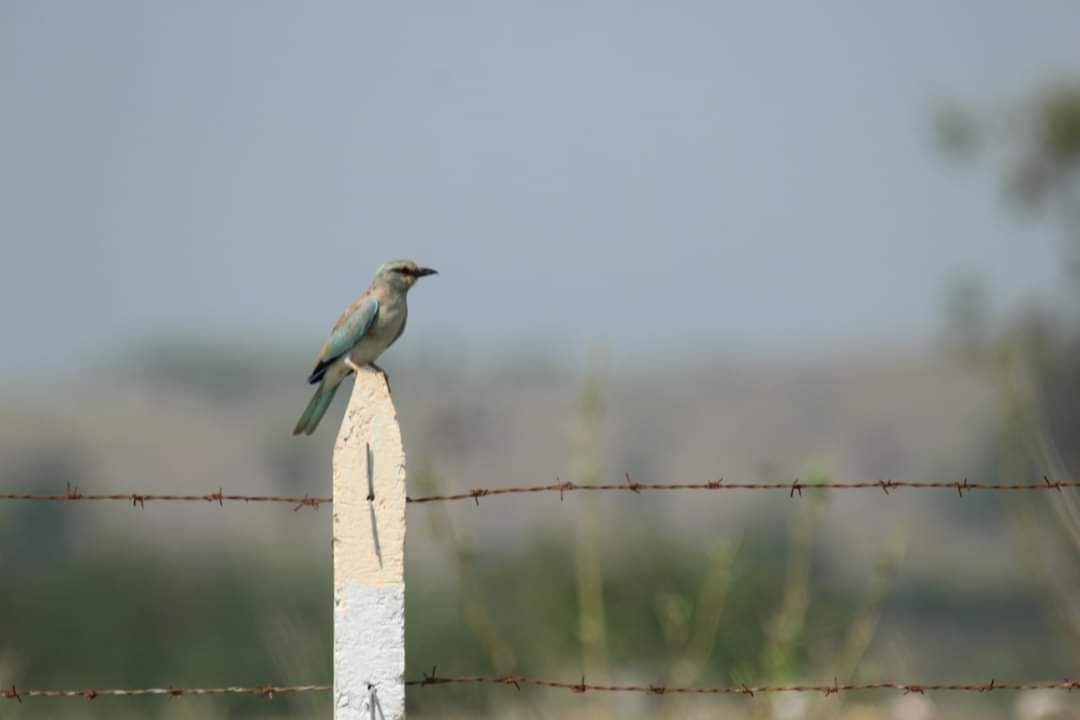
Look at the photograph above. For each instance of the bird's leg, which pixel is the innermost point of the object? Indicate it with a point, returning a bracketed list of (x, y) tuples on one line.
[(351, 365), (378, 369)]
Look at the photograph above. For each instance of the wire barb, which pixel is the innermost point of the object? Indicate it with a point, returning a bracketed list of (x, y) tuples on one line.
[(430, 679), (566, 486), (961, 487), (309, 502)]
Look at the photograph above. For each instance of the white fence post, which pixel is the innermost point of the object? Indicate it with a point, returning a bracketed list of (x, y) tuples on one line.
[(369, 557)]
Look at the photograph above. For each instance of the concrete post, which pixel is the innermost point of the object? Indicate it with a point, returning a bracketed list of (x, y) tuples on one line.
[(369, 557)]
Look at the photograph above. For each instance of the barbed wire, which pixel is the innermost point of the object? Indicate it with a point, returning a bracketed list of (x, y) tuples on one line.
[(220, 497), (517, 681), (796, 486), (836, 688), (174, 692), (140, 499)]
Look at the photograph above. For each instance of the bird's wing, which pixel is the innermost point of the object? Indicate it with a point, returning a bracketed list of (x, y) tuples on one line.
[(348, 331)]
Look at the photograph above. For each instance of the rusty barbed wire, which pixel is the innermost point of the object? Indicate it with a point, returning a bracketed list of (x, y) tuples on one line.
[(140, 499), (836, 688), (174, 692), (960, 486), (517, 681)]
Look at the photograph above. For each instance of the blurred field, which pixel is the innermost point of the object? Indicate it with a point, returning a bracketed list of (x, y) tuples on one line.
[(676, 588)]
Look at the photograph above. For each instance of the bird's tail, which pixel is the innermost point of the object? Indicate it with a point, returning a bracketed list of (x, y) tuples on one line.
[(320, 401)]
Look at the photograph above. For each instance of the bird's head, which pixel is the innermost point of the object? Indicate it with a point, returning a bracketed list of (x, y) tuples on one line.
[(402, 273)]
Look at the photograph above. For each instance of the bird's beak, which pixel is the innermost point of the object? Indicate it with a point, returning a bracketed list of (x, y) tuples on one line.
[(421, 272)]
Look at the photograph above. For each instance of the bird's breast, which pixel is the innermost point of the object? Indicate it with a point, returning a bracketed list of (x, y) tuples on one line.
[(387, 327)]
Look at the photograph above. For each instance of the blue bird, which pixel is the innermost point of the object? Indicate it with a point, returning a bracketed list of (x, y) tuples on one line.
[(367, 328)]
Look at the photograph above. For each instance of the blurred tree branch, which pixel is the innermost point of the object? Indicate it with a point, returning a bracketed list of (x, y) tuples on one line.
[(1034, 363)]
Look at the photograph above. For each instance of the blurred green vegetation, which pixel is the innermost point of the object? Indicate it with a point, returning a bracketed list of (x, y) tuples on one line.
[(1033, 357), (121, 617), (696, 611)]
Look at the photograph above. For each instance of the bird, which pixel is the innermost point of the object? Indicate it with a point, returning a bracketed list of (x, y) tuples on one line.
[(363, 332)]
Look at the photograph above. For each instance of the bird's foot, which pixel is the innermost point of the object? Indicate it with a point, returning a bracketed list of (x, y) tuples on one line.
[(382, 372)]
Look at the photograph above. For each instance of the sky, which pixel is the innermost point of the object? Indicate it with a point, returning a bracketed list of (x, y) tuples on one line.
[(651, 177)]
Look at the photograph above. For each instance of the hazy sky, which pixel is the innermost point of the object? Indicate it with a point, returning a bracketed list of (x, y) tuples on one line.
[(655, 175)]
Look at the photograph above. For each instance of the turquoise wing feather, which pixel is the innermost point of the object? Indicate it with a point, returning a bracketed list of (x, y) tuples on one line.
[(348, 331)]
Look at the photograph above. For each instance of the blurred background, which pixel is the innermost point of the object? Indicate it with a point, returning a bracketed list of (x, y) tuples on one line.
[(756, 241)]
